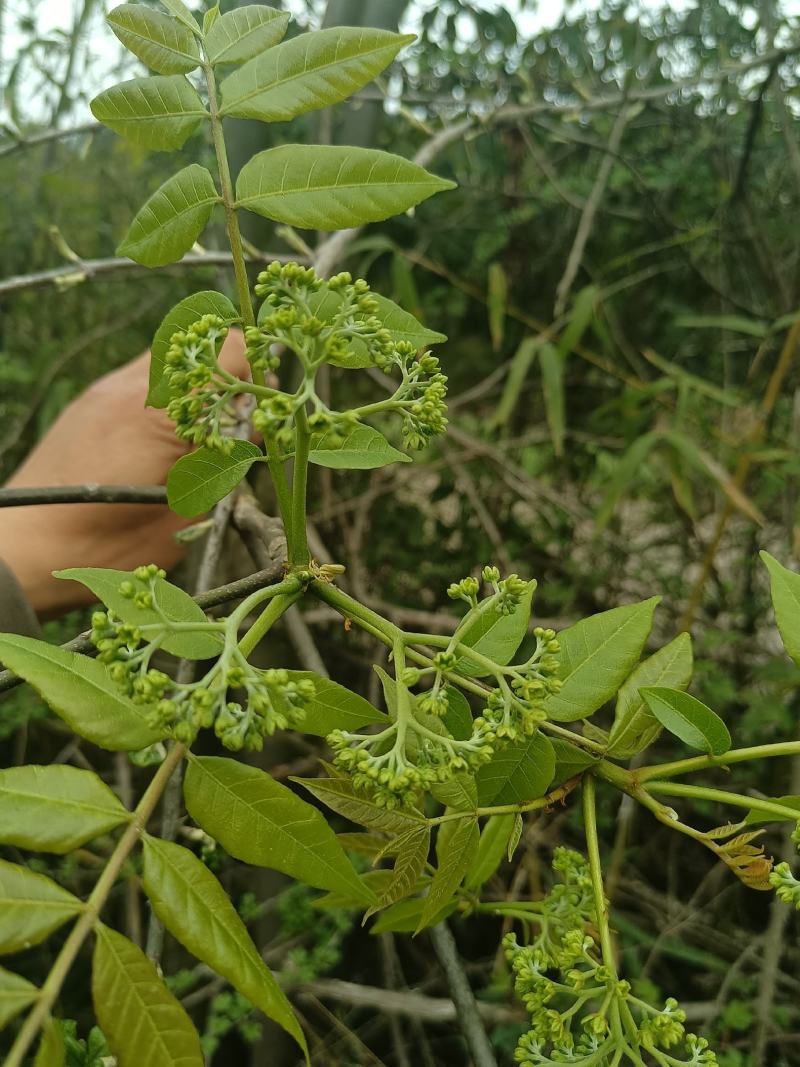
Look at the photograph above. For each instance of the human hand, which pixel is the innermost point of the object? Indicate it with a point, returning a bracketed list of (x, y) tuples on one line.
[(106, 436)]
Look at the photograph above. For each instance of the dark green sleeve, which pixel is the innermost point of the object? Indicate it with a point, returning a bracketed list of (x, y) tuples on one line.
[(16, 614)]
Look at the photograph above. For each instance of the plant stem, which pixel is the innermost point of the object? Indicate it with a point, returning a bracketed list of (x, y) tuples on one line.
[(596, 871), (701, 763), (702, 792), (85, 924), (298, 540), (228, 203), (268, 617)]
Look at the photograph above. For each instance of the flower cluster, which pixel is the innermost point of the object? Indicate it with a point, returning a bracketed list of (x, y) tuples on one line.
[(581, 1012), (421, 396), (786, 886), (337, 321), (200, 391), (271, 699), (418, 749)]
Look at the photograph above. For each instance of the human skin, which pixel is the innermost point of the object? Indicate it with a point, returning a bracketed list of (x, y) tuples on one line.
[(105, 436)]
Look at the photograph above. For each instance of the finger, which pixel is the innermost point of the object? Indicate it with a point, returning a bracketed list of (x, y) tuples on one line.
[(232, 355)]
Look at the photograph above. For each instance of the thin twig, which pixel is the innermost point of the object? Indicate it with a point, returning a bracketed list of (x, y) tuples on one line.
[(75, 273), (237, 590), (91, 493), (467, 1009)]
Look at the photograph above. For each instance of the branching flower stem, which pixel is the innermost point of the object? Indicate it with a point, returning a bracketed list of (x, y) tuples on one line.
[(92, 908), (596, 871)]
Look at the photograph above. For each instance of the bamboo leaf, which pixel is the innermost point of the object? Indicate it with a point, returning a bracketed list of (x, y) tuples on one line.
[(518, 371), (458, 857), (635, 727), (197, 911), (517, 773), (160, 112), (171, 602), (162, 43), (15, 994), (245, 32), (362, 448), (31, 907), (496, 300), (170, 222), (689, 719), (258, 820), (197, 481), (326, 187), (144, 1024), (491, 849), (308, 72), (79, 691), (701, 460), (178, 320), (732, 323), (626, 471), (785, 593), (581, 315), (597, 655), (55, 808), (553, 391)]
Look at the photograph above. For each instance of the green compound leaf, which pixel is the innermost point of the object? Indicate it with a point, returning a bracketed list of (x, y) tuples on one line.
[(689, 719), (334, 707), (325, 187), (362, 448), (197, 911), (412, 850), (459, 792), (458, 856), (55, 808), (757, 815), (170, 222), (160, 113), (570, 760), (635, 727), (15, 994), (403, 326), (177, 320), (496, 635), (458, 717), (31, 907), (181, 13), (258, 820), (597, 655), (245, 32), (340, 796), (161, 43), (144, 1024), (404, 917), (197, 481), (492, 849), (517, 773), (80, 692), (785, 592), (52, 1051), (311, 71), (172, 602)]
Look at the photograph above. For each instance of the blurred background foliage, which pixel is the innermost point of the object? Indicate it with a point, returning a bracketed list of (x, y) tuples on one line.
[(618, 275)]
